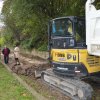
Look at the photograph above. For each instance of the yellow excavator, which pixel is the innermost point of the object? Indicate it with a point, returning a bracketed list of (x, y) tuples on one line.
[(74, 51)]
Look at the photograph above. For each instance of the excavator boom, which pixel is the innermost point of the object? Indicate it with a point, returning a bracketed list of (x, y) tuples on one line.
[(92, 28)]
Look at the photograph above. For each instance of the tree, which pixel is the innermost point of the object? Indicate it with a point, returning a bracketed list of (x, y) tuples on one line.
[(26, 20)]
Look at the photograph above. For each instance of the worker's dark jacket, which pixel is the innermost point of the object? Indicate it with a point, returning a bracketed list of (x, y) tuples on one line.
[(6, 51)]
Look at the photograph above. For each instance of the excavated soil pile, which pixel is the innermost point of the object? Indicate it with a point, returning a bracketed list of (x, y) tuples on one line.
[(27, 69)]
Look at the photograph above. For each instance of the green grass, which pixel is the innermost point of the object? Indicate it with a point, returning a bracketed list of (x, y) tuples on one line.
[(11, 89)]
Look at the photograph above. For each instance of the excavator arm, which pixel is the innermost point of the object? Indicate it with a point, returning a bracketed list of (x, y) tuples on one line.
[(92, 28)]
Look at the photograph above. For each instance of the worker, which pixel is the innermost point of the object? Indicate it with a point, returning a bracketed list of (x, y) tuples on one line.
[(17, 54), (6, 52)]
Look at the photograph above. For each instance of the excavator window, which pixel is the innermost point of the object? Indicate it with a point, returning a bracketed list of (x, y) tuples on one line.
[(62, 27), (80, 31)]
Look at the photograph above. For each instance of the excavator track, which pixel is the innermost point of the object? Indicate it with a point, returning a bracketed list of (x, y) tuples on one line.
[(75, 89)]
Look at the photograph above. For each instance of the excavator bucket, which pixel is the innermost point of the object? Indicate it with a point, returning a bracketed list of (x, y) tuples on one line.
[(92, 28)]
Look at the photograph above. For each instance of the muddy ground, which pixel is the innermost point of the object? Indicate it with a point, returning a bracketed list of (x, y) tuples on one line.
[(26, 71)]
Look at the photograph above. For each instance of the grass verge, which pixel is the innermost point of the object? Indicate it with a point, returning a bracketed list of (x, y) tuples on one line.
[(10, 88)]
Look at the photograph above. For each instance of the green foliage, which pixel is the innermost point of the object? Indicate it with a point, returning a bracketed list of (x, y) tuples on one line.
[(43, 47), (2, 41), (27, 20), (11, 89)]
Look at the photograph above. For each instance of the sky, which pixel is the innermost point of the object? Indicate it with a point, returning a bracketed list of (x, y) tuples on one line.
[(1, 4)]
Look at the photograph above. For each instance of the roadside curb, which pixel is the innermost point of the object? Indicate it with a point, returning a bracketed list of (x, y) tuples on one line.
[(30, 89)]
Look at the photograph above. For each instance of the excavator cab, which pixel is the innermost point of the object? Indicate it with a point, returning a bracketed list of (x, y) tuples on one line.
[(67, 33)]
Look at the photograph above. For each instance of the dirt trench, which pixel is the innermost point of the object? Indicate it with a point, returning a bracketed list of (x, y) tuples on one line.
[(26, 71)]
